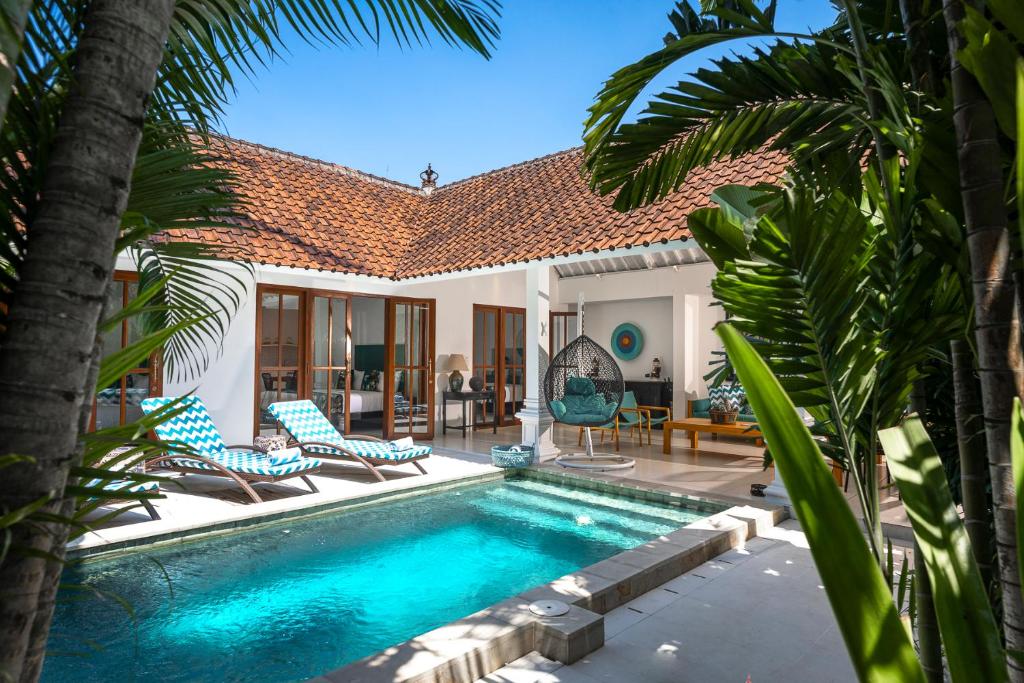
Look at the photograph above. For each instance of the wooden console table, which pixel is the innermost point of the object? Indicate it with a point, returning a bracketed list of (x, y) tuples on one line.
[(466, 397), (696, 425)]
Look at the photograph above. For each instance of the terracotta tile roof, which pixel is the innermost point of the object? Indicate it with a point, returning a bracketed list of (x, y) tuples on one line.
[(311, 214)]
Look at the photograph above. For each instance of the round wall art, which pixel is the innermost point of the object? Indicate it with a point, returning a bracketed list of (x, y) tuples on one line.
[(627, 341)]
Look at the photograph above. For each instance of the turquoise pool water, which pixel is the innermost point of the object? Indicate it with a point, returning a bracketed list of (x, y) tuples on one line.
[(289, 602)]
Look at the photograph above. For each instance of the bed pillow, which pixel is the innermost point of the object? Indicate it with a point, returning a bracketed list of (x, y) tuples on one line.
[(371, 381), (357, 378)]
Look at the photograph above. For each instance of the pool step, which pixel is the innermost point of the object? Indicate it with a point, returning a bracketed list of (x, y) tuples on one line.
[(638, 516), (622, 537)]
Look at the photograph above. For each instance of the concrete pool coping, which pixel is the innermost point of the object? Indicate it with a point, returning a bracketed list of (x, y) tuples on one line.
[(470, 648)]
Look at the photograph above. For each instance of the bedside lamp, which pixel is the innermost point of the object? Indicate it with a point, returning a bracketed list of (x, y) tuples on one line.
[(456, 365)]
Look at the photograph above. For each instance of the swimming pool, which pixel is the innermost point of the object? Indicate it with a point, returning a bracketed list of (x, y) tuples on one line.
[(289, 602)]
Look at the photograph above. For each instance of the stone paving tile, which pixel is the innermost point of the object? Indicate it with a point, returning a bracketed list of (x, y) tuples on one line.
[(759, 611)]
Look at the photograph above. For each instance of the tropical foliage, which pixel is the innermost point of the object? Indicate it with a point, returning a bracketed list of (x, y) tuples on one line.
[(863, 265), (173, 182)]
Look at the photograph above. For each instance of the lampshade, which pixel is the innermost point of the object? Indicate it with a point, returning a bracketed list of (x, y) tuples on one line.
[(457, 361)]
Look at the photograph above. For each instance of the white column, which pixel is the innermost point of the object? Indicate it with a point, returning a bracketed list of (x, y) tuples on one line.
[(536, 421)]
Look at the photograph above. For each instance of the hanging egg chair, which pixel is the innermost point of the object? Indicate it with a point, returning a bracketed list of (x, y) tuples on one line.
[(583, 387)]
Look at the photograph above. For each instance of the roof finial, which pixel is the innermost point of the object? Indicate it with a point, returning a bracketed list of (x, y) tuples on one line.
[(428, 180)]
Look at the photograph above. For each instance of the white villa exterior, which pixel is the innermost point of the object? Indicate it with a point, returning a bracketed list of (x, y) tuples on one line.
[(648, 272)]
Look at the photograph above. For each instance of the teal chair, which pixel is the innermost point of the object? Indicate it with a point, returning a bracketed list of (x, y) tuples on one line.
[(630, 415)]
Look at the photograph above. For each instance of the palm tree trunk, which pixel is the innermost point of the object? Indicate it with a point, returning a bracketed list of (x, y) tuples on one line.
[(49, 342), (970, 432), (929, 640), (997, 331)]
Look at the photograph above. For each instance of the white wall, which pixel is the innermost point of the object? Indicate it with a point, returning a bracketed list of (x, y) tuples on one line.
[(228, 386), (653, 317), (693, 316), (454, 333)]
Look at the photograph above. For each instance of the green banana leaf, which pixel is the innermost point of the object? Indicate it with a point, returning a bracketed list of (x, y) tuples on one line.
[(876, 640), (972, 641)]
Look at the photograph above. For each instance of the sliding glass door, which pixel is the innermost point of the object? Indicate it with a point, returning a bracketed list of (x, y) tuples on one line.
[(499, 359), (330, 353), (409, 379)]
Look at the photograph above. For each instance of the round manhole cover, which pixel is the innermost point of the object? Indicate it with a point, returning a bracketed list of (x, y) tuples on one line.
[(549, 608)]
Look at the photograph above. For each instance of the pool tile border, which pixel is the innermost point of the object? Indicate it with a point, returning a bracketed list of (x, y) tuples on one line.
[(469, 649)]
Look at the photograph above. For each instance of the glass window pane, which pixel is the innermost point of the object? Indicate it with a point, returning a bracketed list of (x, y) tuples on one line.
[(490, 348), (401, 333), (509, 338), (520, 340), (269, 345), (112, 339), (478, 338), (419, 334), (290, 330), (337, 414), (418, 399), (321, 314), (339, 339), (137, 390)]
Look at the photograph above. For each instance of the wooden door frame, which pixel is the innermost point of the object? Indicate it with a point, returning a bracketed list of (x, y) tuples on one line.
[(499, 367), (300, 379), (311, 295), (390, 305), (156, 365)]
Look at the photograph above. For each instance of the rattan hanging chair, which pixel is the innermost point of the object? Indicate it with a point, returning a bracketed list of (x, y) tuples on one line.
[(583, 387)]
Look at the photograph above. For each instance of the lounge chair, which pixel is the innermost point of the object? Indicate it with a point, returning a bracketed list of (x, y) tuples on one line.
[(126, 486), (194, 428), (314, 433)]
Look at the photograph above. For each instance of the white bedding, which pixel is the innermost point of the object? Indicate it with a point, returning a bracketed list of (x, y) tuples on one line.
[(366, 401)]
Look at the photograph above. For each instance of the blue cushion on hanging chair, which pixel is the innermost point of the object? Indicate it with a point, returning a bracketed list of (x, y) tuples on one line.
[(581, 404)]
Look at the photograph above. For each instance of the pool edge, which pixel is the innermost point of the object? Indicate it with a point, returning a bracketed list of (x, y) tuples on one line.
[(248, 519)]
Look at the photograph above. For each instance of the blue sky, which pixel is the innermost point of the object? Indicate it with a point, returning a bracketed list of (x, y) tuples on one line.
[(389, 111)]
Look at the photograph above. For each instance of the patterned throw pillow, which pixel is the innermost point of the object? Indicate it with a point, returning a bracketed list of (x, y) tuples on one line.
[(727, 398), (371, 381)]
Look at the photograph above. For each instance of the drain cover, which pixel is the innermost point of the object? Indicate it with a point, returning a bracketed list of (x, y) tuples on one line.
[(549, 608)]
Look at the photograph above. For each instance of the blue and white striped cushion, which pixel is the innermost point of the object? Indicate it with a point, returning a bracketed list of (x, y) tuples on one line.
[(384, 451), (193, 426), (248, 462), (306, 423), (126, 486)]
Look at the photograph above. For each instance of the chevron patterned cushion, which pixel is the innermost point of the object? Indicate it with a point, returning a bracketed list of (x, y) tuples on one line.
[(126, 486), (247, 462), (306, 424), (304, 421), (727, 397), (193, 426)]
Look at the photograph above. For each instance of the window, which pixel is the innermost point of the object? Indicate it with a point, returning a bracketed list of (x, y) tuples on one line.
[(120, 402)]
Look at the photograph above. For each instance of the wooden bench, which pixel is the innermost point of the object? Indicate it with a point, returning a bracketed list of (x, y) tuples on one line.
[(696, 425)]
